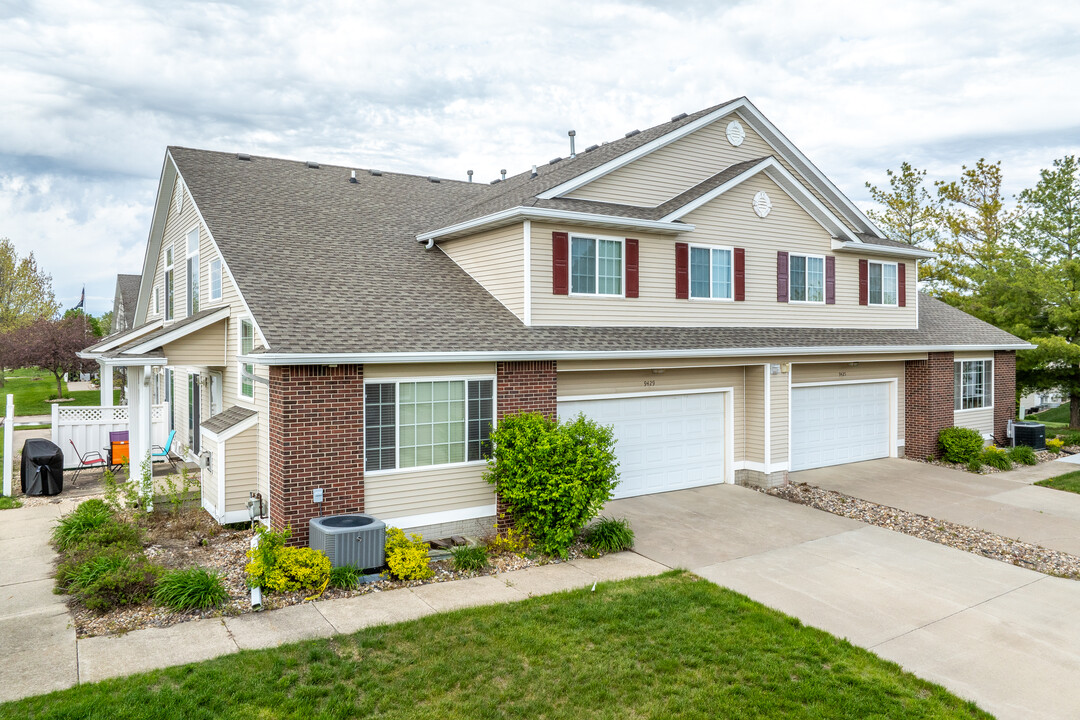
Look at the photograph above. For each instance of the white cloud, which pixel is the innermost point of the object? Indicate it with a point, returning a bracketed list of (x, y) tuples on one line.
[(95, 90)]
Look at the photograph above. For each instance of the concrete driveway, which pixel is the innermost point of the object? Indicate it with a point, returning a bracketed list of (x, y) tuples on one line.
[(1005, 637)]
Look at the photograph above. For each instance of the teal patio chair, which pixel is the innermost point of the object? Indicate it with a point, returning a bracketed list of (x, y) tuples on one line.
[(164, 453)]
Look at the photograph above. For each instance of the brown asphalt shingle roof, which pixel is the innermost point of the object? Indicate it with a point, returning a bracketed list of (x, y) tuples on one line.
[(128, 287), (226, 419)]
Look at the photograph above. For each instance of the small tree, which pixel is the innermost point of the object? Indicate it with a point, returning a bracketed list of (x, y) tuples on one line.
[(52, 345), (554, 478), (26, 295)]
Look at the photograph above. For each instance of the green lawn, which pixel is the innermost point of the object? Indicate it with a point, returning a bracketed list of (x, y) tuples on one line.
[(31, 395), (1069, 482), (1058, 415), (673, 646)]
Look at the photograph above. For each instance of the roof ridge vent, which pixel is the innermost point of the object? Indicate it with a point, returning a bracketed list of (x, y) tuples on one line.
[(678, 117), (243, 156), (313, 165), (591, 148), (432, 178), (554, 160), (376, 173), (496, 180), (632, 133)]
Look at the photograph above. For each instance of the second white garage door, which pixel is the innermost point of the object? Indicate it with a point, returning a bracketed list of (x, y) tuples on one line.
[(841, 423), (664, 442)]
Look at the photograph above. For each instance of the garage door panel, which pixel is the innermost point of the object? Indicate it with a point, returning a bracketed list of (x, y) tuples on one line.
[(663, 442), (840, 423)]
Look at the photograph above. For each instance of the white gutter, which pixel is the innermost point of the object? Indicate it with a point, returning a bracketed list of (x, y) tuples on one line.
[(492, 355), (872, 249), (127, 336), (569, 216)]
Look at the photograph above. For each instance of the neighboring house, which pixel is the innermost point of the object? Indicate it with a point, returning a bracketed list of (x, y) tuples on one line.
[(700, 285), (1037, 401), (124, 302)]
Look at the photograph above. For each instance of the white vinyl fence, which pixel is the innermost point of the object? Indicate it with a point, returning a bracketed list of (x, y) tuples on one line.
[(89, 428)]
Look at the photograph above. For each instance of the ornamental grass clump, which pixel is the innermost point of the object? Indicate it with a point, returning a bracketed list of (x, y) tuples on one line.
[(190, 589), (1024, 455), (960, 445), (469, 558), (553, 477), (609, 535), (345, 577), (87, 517), (407, 556), (997, 458)]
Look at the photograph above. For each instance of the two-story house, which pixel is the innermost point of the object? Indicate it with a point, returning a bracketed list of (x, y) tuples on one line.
[(699, 285)]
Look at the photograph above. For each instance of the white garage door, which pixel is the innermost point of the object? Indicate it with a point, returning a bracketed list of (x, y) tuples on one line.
[(836, 424), (664, 442)]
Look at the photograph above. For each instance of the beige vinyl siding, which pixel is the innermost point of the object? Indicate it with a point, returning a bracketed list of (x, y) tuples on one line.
[(754, 413), (203, 348), (678, 166), (981, 419), (209, 480), (241, 469), (576, 384), (779, 420), (496, 260), (415, 370), (417, 492), (729, 221), (843, 371)]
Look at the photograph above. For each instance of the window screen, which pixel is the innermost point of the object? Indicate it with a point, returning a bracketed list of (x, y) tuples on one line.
[(380, 426)]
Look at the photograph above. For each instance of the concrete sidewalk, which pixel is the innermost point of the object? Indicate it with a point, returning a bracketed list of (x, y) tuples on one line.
[(1004, 503)]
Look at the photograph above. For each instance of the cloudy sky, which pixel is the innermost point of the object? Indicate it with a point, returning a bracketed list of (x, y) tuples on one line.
[(92, 91)]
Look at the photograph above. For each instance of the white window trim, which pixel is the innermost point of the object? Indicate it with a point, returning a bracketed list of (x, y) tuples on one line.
[(198, 270), (824, 279), (397, 420), (157, 299), (596, 266), (869, 300), (170, 266), (989, 379), (690, 273), (221, 276), (240, 363)]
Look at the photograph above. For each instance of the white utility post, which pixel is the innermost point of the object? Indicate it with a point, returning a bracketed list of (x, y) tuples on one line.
[(106, 385), (9, 441)]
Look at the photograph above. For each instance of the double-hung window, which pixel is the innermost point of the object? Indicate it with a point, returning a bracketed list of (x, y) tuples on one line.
[(973, 384), (806, 275), (710, 273), (169, 309), (596, 266), (409, 424), (247, 370), (215, 279), (882, 283), (193, 272)]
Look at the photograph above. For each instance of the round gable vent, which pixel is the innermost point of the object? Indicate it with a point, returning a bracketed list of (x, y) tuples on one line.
[(735, 133), (762, 204)]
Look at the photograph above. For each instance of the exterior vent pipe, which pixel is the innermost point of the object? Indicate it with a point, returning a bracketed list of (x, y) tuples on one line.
[(503, 173), (469, 173), (352, 176), (533, 172), (573, 153)]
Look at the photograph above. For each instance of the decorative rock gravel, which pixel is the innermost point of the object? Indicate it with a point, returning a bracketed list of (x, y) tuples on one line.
[(961, 537), (1041, 455)]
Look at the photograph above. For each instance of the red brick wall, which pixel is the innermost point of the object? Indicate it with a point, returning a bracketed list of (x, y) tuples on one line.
[(316, 440), (1004, 392), (524, 387), (928, 403)]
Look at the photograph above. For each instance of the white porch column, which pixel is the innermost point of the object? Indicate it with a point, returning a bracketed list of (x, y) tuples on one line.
[(106, 385), (139, 409)]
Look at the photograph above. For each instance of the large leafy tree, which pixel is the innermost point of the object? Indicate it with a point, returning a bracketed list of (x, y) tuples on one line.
[(1048, 233), (908, 211), (52, 345), (26, 295)]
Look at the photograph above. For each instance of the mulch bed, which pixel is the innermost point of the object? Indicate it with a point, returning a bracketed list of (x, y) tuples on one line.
[(954, 535)]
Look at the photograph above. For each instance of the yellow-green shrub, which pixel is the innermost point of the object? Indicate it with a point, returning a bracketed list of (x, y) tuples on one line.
[(996, 457), (286, 569), (407, 557), (1054, 445), (511, 541)]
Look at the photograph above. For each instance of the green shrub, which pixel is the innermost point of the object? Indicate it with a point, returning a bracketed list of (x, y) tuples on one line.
[(129, 583), (1070, 438), (996, 457), (346, 577), (960, 445), (1024, 455), (263, 557), (553, 477), (514, 540), (1054, 445), (609, 535), (9, 503), (190, 589), (292, 569), (407, 557), (469, 558), (975, 465), (113, 533), (88, 516), (75, 575)]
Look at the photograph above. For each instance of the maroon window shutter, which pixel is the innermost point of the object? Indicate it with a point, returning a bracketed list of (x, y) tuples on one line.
[(682, 271), (901, 284), (631, 268), (781, 276), (560, 263), (740, 274), (864, 283), (830, 280)]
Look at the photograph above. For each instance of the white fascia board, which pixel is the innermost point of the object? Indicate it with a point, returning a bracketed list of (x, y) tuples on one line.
[(224, 262), (129, 362), (232, 430), (569, 216), (216, 316), (865, 247), (153, 241), (127, 337), (268, 359), (652, 146)]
